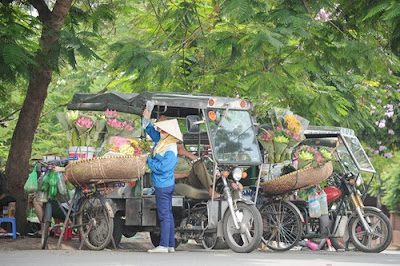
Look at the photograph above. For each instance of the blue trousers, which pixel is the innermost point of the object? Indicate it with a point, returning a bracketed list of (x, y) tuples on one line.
[(164, 212)]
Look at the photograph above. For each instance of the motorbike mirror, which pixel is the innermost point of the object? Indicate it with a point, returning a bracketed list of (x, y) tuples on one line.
[(193, 123)]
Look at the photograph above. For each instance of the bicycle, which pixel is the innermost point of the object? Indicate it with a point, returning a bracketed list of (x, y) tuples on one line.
[(92, 215)]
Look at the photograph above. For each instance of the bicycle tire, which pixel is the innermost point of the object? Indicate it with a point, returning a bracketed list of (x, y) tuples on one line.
[(94, 222), (281, 224), (47, 215)]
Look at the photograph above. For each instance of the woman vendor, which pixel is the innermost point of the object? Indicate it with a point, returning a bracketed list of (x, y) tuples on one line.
[(162, 164)]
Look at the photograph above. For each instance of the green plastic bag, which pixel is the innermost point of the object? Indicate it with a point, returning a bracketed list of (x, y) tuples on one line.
[(31, 184)]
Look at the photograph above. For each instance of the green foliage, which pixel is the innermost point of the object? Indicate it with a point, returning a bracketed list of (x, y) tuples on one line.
[(391, 176)]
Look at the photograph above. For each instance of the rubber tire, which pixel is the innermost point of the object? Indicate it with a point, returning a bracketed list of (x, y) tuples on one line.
[(47, 215), (90, 240), (257, 229), (353, 223), (209, 242), (293, 213), (155, 240), (45, 235), (128, 233), (221, 244), (118, 229)]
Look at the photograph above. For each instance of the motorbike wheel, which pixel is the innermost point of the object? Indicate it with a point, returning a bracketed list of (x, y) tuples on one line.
[(248, 237), (118, 229), (155, 239), (46, 225), (282, 226), (380, 236), (95, 222)]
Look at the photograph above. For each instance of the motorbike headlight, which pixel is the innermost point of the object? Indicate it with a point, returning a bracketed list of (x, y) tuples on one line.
[(237, 174)]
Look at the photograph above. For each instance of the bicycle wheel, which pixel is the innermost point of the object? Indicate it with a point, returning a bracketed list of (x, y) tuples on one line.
[(94, 222), (46, 225), (282, 225), (380, 235)]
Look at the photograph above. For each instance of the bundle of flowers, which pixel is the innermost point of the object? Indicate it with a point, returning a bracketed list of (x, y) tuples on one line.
[(283, 134), (82, 129), (118, 126), (312, 156), (128, 146)]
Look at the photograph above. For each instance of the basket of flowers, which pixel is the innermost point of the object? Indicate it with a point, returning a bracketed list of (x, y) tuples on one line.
[(117, 168), (123, 157), (313, 167)]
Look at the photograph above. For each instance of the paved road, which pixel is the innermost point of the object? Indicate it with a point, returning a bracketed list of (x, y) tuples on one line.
[(132, 251), (194, 257)]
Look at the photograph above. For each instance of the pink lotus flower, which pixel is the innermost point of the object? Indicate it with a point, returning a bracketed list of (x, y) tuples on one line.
[(111, 113), (114, 123), (84, 122)]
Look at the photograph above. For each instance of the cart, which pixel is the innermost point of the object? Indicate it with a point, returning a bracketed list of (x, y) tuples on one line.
[(222, 130)]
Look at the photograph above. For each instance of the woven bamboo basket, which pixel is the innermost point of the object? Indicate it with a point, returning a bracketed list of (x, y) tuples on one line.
[(299, 179), (106, 169)]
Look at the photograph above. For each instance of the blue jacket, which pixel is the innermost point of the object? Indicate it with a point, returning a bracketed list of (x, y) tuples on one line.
[(162, 166)]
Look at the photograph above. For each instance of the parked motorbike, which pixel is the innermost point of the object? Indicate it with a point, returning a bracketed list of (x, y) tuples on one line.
[(367, 228)]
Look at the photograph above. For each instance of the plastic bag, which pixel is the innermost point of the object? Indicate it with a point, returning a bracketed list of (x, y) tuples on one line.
[(31, 184)]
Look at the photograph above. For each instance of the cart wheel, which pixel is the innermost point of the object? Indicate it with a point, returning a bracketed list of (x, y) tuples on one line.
[(95, 222), (155, 239), (248, 237), (46, 225), (209, 241), (282, 225), (128, 232)]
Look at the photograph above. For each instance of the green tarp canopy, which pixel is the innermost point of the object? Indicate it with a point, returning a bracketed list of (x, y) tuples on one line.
[(173, 105)]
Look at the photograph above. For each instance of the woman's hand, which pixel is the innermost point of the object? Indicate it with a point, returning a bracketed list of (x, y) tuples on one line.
[(146, 114)]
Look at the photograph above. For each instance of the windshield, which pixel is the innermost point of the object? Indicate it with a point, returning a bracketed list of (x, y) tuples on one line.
[(354, 145), (233, 137)]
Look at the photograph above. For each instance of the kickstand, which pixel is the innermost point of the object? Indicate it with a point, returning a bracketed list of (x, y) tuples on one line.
[(86, 234), (113, 242)]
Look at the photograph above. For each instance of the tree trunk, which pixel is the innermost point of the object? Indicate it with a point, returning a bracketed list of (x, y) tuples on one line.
[(17, 168)]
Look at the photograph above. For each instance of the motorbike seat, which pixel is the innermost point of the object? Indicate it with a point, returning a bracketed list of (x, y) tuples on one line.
[(191, 192)]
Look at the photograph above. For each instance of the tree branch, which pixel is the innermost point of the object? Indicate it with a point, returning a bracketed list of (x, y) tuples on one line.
[(42, 9), (5, 119)]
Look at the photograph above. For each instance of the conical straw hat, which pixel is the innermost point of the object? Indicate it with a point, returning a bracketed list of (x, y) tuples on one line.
[(171, 127)]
